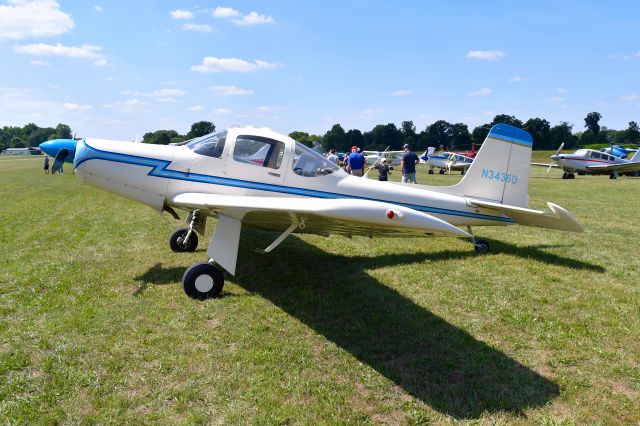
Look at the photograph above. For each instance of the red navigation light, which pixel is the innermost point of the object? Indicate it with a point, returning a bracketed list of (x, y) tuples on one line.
[(390, 214)]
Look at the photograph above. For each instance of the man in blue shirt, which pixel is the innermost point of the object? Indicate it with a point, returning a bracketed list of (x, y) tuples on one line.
[(355, 162), (409, 161)]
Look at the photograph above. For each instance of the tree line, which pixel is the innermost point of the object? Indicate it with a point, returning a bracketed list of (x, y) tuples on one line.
[(439, 134), (31, 135)]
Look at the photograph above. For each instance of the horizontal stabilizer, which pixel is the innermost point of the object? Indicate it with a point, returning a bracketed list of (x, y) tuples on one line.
[(616, 167), (557, 218)]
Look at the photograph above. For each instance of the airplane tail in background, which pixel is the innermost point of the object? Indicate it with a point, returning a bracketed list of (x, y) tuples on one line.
[(500, 171), (636, 156)]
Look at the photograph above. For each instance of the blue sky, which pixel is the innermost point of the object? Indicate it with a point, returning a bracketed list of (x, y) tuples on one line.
[(116, 69)]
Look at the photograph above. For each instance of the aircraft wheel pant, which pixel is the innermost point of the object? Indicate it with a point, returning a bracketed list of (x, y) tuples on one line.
[(179, 246), (203, 281), (481, 246)]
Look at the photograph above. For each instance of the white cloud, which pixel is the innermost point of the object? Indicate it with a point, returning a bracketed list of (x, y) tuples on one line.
[(196, 108), (370, 112), (98, 8), (230, 91), (556, 99), (211, 64), (630, 97), (561, 90), (222, 111), (86, 51), (157, 94), (254, 18), (22, 19), (482, 92), (167, 100), (402, 93), (68, 106), (181, 14), (516, 79), (225, 12), (201, 28), (637, 54), (40, 63), (490, 55), (264, 108)]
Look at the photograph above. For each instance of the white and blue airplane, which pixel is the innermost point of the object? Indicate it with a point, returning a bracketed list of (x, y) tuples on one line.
[(448, 162), (296, 189)]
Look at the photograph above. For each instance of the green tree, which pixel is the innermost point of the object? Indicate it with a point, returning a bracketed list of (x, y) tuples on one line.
[(438, 134), (354, 138), (63, 132), (409, 135), (335, 139), (480, 133), (632, 134), (506, 119), (201, 128), (460, 136), (539, 129), (592, 122), (160, 137), (561, 133)]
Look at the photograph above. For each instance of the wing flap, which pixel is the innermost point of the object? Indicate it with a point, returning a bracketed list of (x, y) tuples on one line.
[(350, 212), (557, 218)]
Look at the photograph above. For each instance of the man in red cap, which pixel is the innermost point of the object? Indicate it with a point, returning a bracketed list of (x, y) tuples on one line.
[(355, 162)]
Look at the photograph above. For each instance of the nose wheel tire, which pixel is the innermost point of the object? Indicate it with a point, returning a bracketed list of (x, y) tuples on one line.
[(430, 171), (203, 281), (177, 243), (442, 171), (481, 246)]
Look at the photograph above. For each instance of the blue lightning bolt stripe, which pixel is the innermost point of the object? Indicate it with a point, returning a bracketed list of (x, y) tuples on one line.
[(159, 168)]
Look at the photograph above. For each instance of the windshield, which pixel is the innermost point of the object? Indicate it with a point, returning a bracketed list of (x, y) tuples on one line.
[(581, 153), (210, 145), (309, 163)]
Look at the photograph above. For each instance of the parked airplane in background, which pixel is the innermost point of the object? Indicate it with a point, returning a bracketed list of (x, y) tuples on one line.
[(447, 162), (618, 151), (591, 161), (61, 150), (296, 189), (392, 158)]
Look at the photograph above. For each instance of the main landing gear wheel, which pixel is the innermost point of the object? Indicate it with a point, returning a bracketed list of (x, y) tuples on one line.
[(203, 281), (177, 243), (442, 171), (430, 171), (481, 246), (613, 176)]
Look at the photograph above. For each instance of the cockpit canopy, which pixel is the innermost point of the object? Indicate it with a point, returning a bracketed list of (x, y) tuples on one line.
[(211, 145), (310, 163)]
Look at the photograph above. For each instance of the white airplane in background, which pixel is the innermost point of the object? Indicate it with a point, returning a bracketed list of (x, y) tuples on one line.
[(391, 158), (449, 161), (591, 161), (296, 189)]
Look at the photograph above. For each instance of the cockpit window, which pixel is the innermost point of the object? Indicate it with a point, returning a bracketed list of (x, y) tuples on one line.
[(259, 151), (595, 154), (581, 153), (309, 163), (210, 145)]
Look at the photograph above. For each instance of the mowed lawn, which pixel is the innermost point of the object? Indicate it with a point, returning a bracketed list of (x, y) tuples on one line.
[(95, 327)]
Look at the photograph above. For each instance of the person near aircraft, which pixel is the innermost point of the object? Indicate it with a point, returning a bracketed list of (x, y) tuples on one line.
[(333, 157), (409, 161), (383, 171), (355, 162), (46, 164)]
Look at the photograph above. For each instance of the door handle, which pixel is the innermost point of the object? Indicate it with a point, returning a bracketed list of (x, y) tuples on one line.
[(274, 174)]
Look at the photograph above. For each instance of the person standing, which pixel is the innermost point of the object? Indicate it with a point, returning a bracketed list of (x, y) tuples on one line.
[(355, 162), (383, 171), (333, 157), (409, 161), (46, 164)]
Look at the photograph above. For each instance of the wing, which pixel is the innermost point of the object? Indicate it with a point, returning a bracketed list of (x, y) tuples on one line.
[(320, 216), (622, 167), (545, 165)]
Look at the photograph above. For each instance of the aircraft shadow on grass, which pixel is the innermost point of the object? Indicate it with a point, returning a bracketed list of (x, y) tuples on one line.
[(432, 360)]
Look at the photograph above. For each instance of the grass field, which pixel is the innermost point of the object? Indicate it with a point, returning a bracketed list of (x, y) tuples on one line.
[(95, 327)]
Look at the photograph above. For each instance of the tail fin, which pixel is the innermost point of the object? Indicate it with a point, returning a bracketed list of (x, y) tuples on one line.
[(636, 156), (500, 170)]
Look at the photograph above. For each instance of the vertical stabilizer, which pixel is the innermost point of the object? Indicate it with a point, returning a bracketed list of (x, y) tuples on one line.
[(500, 171)]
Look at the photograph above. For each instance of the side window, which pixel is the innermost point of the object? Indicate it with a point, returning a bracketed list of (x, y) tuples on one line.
[(595, 154), (258, 151), (210, 145)]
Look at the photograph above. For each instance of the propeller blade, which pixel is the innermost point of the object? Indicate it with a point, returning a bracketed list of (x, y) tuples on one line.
[(59, 161), (560, 148), (550, 166)]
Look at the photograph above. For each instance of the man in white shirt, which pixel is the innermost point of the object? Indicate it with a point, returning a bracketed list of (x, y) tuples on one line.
[(333, 157)]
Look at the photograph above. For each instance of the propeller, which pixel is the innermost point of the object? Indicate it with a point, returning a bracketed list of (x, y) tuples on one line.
[(555, 155), (59, 160)]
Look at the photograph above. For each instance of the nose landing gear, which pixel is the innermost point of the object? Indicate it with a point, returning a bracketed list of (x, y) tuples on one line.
[(186, 239)]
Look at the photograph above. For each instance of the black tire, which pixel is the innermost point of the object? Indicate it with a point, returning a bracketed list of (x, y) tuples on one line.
[(565, 175), (203, 281), (612, 176), (481, 246), (430, 171), (442, 171), (572, 176), (190, 246)]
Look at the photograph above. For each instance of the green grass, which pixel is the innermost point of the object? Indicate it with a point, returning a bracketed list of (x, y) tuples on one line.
[(95, 328)]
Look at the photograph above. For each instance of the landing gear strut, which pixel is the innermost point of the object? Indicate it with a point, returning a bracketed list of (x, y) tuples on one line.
[(480, 246), (186, 239)]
